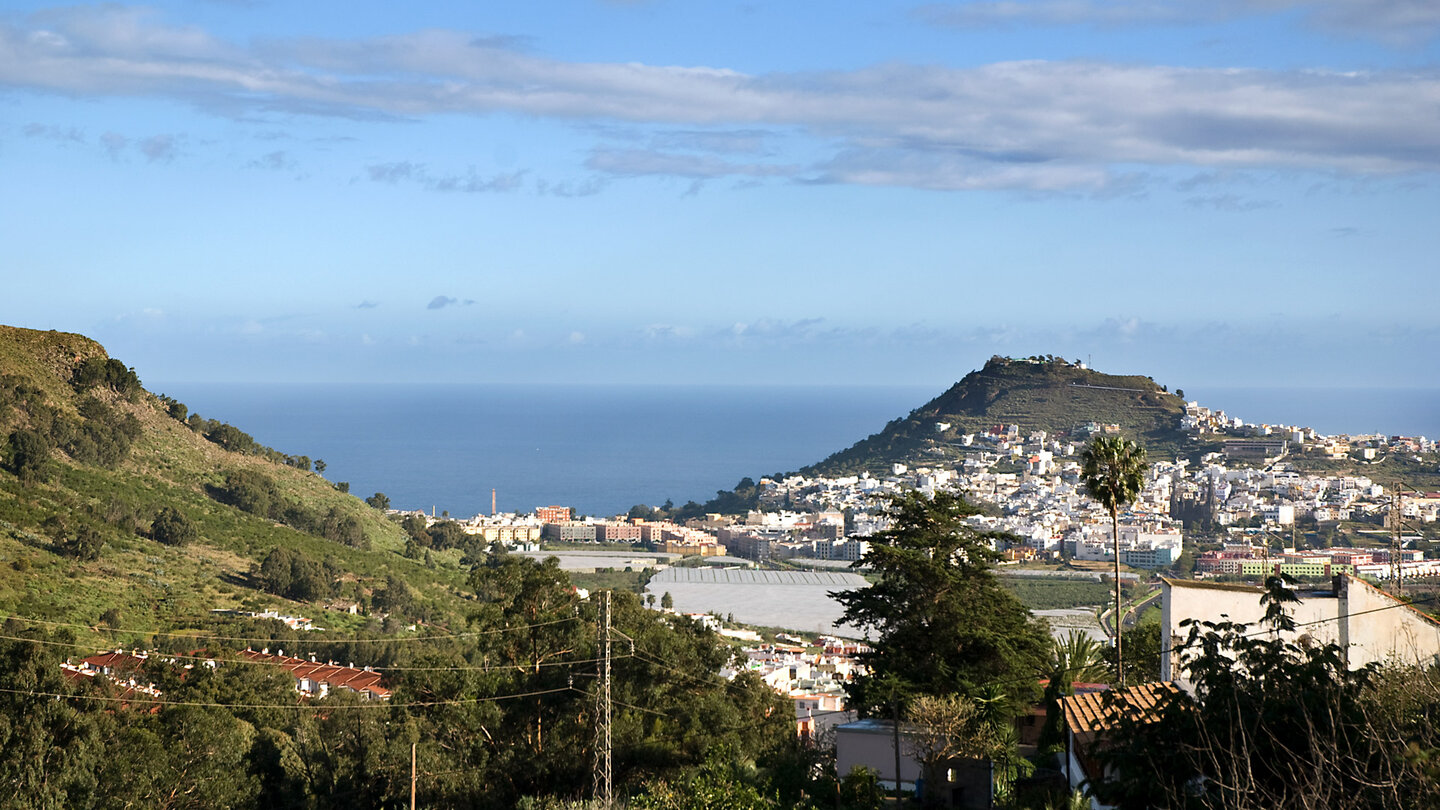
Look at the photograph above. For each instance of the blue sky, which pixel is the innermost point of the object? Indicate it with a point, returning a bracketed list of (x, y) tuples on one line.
[(1227, 192)]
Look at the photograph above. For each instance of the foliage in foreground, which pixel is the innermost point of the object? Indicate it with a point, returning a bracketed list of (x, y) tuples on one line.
[(1280, 724), (943, 624), (499, 712)]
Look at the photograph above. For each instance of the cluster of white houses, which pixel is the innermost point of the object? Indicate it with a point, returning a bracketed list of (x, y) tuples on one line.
[(313, 679), (1044, 506), (812, 676)]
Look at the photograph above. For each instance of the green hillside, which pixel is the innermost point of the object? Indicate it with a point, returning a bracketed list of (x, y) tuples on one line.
[(91, 460), (125, 520), (1046, 394)]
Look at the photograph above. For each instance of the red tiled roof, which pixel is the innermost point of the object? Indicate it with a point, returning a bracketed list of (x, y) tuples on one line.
[(1087, 712), (332, 676), (127, 690), (116, 661)]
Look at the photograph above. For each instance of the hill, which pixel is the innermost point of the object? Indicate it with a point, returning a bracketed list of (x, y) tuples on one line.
[(125, 520), (118, 506), (1048, 394)]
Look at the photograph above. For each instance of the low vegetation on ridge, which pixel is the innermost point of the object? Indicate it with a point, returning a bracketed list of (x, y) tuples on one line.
[(115, 501), (1036, 393)]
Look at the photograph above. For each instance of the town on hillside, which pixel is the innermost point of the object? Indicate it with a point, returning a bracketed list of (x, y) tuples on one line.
[(1250, 509), (1207, 532)]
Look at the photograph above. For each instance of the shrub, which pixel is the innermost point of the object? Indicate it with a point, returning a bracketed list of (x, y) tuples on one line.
[(172, 527), (28, 456), (107, 372)]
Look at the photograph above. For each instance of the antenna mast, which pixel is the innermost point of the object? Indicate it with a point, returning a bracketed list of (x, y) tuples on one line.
[(603, 772)]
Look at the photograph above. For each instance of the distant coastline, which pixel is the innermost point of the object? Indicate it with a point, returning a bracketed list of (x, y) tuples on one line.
[(1393, 411), (603, 449), (598, 448)]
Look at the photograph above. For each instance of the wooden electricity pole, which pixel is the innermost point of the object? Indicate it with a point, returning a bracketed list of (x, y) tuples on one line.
[(1396, 543)]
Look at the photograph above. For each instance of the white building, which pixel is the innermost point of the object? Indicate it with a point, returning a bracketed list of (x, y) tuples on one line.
[(1368, 624)]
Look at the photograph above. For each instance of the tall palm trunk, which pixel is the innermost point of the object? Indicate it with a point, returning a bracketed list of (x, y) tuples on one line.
[(1119, 621)]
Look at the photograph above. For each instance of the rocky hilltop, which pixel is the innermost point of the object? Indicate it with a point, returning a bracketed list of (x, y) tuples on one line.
[(1036, 393)]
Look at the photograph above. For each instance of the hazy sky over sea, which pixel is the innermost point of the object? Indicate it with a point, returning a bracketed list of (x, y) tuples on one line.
[(1227, 192)]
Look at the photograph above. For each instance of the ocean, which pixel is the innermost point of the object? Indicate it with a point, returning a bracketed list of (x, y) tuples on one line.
[(604, 448), (598, 448)]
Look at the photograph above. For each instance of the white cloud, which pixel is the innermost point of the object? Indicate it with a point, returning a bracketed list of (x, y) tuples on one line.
[(666, 332), (470, 182), (158, 148), (1030, 125), (636, 162), (273, 161), (1229, 202), (1401, 21)]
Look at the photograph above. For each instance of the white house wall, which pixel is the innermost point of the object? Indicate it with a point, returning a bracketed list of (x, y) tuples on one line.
[(1370, 624)]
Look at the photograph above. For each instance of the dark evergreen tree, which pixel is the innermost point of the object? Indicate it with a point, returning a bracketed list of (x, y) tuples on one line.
[(172, 527), (943, 624), (27, 455)]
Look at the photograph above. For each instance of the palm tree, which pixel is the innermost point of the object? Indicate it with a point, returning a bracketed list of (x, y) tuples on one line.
[(1076, 657), (1113, 471)]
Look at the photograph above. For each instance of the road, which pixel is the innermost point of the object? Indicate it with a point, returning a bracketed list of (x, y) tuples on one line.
[(1131, 612)]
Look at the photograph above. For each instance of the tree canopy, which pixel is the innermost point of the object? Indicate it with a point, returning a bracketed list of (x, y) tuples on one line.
[(1113, 471), (172, 527), (28, 454), (943, 623)]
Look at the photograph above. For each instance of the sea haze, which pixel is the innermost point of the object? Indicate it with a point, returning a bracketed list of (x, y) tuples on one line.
[(1391, 411), (598, 448), (602, 449)]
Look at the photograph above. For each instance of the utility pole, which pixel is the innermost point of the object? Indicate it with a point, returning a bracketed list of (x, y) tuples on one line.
[(413, 777), (603, 773), (1396, 545), (895, 728)]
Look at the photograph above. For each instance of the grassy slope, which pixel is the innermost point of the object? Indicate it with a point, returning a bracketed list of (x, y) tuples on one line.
[(1036, 396), (46, 359), (154, 585)]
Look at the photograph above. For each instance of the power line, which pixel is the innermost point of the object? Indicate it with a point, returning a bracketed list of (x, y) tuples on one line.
[(654, 660), (638, 653), (271, 639), (483, 668), (369, 704)]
